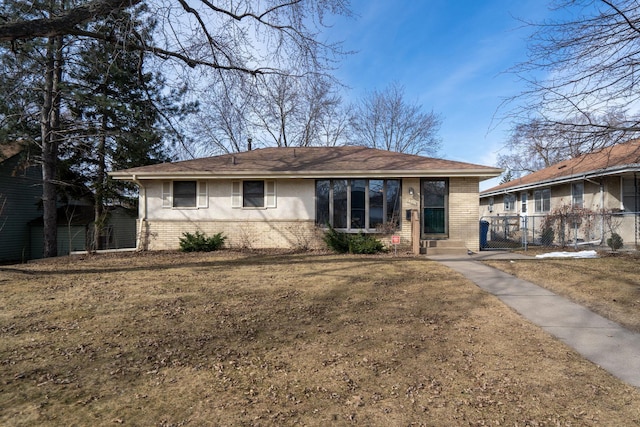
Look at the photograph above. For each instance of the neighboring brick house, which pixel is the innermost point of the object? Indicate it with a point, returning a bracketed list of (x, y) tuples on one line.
[(282, 197), (608, 179)]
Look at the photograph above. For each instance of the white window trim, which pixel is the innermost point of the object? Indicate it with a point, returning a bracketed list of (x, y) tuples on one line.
[(167, 194), (509, 202), (573, 194), (535, 204), (202, 195), (270, 198)]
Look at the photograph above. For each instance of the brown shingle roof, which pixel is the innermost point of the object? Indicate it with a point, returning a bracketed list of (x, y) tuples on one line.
[(9, 150), (309, 162), (609, 160)]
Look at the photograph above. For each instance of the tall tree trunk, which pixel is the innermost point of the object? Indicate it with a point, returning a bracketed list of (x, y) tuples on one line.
[(48, 123), (100, 184)]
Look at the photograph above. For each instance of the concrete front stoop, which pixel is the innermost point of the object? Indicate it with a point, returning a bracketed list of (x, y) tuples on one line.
[(442, 247)]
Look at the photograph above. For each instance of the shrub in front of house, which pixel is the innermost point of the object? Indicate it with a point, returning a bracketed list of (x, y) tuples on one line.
[(615, 241), (199, 242), (547, 236), (360, 243)]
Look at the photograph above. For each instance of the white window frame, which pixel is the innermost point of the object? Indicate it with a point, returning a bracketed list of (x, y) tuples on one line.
[(509, 202), (202, 195), (629, 192), (577, 194), (270, 199), (167, 194), (539, 200)]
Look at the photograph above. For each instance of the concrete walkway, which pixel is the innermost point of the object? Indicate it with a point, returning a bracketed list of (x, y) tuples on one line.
[(601, 341)]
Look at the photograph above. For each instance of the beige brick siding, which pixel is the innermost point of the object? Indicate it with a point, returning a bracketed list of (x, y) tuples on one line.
[(463, 211), (163, 235)]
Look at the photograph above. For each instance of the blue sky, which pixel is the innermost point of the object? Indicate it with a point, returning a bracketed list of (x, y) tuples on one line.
[(451, 56)]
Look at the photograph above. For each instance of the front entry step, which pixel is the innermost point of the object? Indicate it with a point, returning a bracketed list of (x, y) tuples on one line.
[(442, 247)]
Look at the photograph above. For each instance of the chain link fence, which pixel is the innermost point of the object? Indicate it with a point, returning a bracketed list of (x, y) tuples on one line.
[(562, 228)]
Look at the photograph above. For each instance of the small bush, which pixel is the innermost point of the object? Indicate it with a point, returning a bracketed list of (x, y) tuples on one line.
[(615, 241), (360, 243), (547, 236), (199, 242)]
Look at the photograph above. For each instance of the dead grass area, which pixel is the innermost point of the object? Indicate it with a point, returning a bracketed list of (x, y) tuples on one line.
[(609, 285), (171, 339)]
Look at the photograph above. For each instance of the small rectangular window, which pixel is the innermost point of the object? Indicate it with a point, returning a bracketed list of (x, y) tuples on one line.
[(546, 200), (203, 195), (358, 202), (542, 200), (184, 194), (270, 194), (166, 194), (392, 197), (376, 203), (322, 202), (253, 194), (509, 202), (340, 203), (236, 194), (577, 194), (631, 194)]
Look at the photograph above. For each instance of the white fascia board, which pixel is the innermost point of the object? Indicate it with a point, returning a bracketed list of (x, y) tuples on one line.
[(616, 170), (308, 175)]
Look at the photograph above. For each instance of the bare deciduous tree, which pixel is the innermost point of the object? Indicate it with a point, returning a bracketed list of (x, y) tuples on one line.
[(241, 35), (289, 112), (384, 120), (538, 144), (275, 110), (238, 36), (583, 66)]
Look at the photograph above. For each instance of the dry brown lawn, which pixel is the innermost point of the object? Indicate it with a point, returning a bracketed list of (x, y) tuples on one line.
[(609, 285), (231, 339)]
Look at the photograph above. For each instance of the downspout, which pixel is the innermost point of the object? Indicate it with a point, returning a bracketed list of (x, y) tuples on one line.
[(141, 241)]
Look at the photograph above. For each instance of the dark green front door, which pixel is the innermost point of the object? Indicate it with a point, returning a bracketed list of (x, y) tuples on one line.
[(435, 196)]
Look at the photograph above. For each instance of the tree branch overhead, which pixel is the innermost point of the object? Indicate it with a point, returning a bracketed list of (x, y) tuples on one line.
[(63, 24)]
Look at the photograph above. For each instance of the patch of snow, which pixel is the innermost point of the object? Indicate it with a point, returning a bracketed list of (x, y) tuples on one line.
[(580, 254)]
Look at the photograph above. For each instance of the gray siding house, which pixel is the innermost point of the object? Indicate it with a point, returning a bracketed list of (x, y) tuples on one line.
[(20, 194), (21, 225)]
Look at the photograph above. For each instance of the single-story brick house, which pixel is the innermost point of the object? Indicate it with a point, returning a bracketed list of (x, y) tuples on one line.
[(608, 179), (283, 197)]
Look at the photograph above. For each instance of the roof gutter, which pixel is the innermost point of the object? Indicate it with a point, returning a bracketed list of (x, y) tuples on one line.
[(477, 173), (564, 180)]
